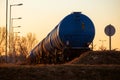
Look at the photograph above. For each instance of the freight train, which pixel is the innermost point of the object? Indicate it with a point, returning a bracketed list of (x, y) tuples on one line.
[(66, 41)]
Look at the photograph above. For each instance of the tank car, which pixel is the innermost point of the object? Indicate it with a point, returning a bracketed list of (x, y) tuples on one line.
[(71, 36)]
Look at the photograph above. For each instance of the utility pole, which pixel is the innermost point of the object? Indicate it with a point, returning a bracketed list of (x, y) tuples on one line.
[(6, 28)]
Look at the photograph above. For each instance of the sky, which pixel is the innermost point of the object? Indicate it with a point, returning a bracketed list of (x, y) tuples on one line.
[(41, 16)]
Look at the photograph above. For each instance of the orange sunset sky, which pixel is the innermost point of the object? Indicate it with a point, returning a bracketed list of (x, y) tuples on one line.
[(41, 16)]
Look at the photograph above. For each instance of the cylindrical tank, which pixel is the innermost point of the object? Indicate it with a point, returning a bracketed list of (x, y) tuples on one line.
[(76, 31)]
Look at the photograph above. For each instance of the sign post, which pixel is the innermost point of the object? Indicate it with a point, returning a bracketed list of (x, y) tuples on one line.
[(109, 31)]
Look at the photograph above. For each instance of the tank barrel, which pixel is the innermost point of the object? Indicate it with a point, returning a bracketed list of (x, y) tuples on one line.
[(75, 32)]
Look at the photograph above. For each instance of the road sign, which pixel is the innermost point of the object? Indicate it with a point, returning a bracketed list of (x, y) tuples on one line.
[(109, 30)]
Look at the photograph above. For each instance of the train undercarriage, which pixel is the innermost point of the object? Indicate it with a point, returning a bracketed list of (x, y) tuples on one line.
[(58, 57)]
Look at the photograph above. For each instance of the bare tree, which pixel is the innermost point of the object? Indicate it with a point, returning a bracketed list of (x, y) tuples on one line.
[(102, 48), (25, 44), (2, 40), (2, 35), (92, 46), (31, 41), (21, 47)]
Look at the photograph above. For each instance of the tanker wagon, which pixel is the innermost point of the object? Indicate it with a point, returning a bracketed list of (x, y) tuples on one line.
[(67, 40)]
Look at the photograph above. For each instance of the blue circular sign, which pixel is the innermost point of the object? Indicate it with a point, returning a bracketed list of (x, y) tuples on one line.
[(109, 30)]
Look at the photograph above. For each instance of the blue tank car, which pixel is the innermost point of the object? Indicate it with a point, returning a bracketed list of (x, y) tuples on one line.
[(76, 29), (75, 32)]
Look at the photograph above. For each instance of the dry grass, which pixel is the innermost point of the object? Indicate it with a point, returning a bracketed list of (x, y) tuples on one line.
[(80, 70), (98, 57), (59, 72)]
